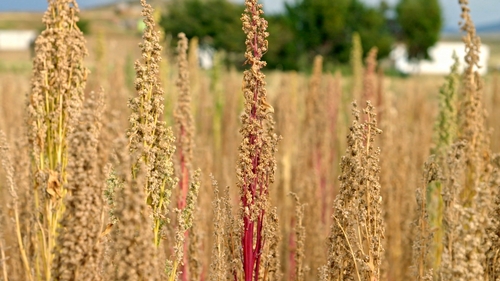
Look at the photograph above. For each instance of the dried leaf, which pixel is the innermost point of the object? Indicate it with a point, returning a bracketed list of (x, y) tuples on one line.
[(53, 185)]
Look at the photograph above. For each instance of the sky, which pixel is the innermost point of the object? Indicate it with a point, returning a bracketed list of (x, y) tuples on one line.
[(483, 11)]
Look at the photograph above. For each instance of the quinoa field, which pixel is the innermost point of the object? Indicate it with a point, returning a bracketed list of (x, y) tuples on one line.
[(123, 159)]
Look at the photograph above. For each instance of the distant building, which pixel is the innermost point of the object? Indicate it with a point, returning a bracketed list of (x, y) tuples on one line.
[(16, 40), (441, 59)]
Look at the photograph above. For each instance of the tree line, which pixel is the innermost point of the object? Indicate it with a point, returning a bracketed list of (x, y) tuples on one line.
[(312, 27)]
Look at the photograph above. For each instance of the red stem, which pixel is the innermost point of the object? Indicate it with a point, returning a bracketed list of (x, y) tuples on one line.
[(251, 253)]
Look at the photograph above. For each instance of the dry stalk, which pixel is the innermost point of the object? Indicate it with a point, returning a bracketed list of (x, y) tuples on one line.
[(355, 242), (12, 186), (422, 264)]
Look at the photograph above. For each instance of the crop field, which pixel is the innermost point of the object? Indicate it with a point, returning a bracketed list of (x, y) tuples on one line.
[(123, 159)]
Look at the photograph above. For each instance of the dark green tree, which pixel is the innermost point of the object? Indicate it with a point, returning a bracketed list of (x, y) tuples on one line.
[(325, 27), (371, 25), (215, 22), (420, 22), (283, 52), (319, 25)]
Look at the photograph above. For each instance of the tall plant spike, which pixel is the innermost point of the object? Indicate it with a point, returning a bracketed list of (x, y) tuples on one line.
[(149, 136), (55, 100), (184, 120), (256, 163)]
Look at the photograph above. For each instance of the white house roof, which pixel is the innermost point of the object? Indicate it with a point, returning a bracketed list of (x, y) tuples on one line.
[(441, 59), (16, 40)]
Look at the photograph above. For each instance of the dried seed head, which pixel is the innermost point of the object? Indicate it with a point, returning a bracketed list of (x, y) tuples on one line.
[(78, 250), (256, 160), (357, 254)]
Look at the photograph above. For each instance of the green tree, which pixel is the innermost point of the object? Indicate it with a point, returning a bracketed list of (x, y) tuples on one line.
[(325, 27), (420, 22), (283, 52), (371, 25), (215, 22), (319, 25)]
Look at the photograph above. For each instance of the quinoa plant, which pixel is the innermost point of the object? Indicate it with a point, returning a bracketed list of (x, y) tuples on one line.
[(55, 100), (149, 136), (256, 164)]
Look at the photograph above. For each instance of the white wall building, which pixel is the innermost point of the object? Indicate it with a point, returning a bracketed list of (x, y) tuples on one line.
[(16, 40), (441, 59)]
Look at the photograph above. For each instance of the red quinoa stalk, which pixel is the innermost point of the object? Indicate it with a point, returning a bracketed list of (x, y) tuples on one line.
[(256, 162)]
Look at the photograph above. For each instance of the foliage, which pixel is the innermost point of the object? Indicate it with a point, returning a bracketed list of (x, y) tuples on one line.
[(214, 22), (283, 51), (84, 26), (420, 22), (325, 27)]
